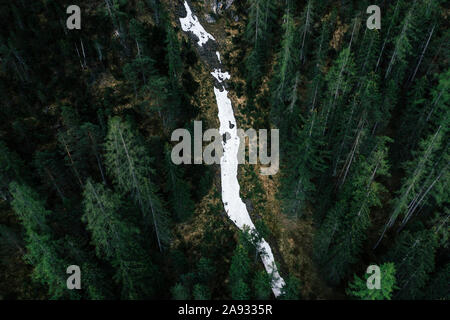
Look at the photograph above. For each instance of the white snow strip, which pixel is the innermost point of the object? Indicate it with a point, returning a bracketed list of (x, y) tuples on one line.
[(218, 56), (221, 76), (234, 206), (191, 23)]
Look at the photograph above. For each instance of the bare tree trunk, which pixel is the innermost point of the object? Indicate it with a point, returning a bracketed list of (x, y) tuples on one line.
[(414, 206), (421, 57), (140, 60), (72, 162), (84, 55), (58, 190), (368, 188), (294, 93), (137, 188), (404, 196), (97, 156), (387, 37), (350, 157), (302, 55), (434, 105), (79, 57)]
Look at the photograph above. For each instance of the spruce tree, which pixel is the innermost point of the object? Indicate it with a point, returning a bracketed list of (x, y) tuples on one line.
[(42, 249), (118, 241), (129, 163), (179, 190), (258, 34), (239, 273), (339, 240), (414, 258), (262, 286)]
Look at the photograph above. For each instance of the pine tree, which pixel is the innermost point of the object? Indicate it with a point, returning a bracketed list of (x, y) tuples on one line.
[(340, 80), (129, 163), (69, 139), (173, 57), (239, 273), (306, 160), (304, 153), (286, 76), (118, 241), (426, 173), (307, 21), (402, 45), (42, 250), (425, 107), (179, 190), (414, 258), (80, 143), (339, 240), (91, 143), (262, 286), (174, 110), (51, 172), (258, 33)]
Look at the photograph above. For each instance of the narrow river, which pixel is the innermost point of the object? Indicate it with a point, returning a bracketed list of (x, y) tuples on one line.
[(234, 206)]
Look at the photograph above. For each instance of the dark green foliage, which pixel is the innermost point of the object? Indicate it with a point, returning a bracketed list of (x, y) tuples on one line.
[(437, 288), (262, 285), (339, 240), (128, 161), (258, 34), (41, 250), (414, 257), (201, 292), (180, 292), (239, 273), (240, 290), (364, 130), (240, 265), (180, 198), (47, 254), (291, 290), (11, 168), (118, 241), (358, 288)]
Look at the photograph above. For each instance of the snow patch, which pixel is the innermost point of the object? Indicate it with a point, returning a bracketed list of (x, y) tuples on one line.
[(221, 76), (218, 56), (191, 24)]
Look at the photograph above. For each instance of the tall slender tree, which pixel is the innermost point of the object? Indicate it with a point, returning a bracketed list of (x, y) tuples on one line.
[(118, 240), (130, 165)]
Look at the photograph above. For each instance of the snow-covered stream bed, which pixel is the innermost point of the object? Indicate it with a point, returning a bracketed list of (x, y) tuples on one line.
[(234, 206)]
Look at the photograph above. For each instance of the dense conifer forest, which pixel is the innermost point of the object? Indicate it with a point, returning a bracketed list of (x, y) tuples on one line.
[(87, 179)]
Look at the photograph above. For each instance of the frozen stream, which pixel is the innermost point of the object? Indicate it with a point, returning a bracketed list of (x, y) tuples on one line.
[(234, 206)]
